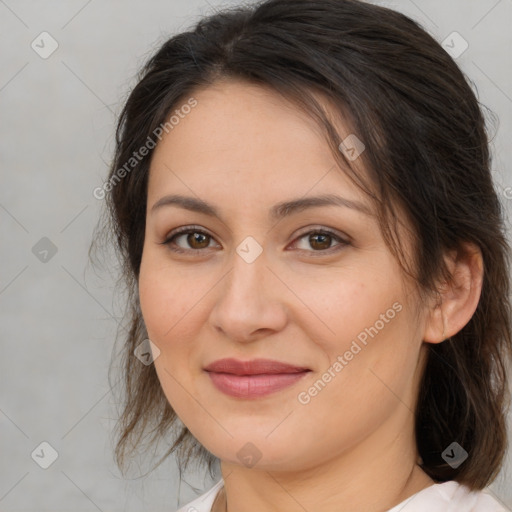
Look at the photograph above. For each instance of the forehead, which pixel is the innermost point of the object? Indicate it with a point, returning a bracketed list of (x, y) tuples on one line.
[(249, 140)]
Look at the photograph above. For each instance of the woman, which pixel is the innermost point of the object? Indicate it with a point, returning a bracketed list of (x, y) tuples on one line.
[(302, 202)]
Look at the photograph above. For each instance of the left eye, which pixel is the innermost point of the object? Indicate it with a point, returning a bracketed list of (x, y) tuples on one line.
[(197, 240), (321, 240)]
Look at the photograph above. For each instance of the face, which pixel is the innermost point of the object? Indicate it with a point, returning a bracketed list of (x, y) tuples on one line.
[(311, 286)]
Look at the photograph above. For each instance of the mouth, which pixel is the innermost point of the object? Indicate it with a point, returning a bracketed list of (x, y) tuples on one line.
[(253, 379)]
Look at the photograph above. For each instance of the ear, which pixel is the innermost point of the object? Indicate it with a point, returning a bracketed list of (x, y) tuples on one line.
[(458, 298)]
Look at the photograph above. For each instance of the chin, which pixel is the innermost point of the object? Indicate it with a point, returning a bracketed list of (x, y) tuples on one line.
[(258, 452)]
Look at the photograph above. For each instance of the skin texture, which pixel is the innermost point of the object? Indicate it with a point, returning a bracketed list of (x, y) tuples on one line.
[(302, 301)]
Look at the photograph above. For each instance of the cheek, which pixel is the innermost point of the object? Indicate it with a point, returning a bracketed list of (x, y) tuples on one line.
[(363, 381), (376, 368), (153, 303), (164, 299), (172, 314), (346, 306), (169, 321), (363, 328)]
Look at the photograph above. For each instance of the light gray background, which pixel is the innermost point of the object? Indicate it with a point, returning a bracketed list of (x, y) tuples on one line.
[(58, 318)]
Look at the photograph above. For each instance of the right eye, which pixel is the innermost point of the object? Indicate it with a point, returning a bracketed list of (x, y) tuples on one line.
[(196, 239)]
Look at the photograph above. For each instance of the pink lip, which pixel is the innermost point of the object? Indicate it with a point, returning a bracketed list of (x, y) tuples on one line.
[(253, 379)]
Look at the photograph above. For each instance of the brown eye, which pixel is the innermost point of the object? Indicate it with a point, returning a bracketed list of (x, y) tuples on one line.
[(320, 241), (188, 240), (198, 240)]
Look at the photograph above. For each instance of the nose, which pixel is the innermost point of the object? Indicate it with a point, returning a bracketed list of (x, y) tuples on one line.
[(249, 303)]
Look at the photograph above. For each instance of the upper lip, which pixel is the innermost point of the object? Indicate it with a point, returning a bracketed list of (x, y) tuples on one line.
[(253, 367)]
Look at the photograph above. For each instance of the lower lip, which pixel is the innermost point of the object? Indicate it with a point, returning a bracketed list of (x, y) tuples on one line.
[(253, 386)]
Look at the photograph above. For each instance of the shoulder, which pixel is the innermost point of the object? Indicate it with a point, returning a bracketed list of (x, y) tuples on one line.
[(450, 496), (204, 502)]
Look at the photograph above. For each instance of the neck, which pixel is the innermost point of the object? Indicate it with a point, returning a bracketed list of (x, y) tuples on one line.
[(374, 476), (271, 492)]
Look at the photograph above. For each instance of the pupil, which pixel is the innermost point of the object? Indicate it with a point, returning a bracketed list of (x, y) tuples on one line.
[(322, 238), (196, 239)]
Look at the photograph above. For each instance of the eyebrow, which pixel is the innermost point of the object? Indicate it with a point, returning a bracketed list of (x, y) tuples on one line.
[(277, 212)]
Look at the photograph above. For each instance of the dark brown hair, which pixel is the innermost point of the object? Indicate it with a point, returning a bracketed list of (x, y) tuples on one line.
[(426, 153)]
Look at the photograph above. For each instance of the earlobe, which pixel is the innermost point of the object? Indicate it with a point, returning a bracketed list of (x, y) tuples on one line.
[(457, 298)]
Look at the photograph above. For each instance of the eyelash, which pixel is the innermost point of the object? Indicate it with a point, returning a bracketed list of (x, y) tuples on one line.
[(169, 241)]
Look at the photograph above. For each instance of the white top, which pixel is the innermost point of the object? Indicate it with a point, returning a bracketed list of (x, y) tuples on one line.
[(444, 497)]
